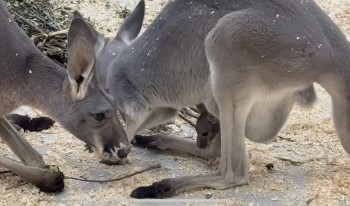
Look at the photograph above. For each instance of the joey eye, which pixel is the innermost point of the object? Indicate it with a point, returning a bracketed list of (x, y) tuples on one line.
[(205, 134), (99, 116)]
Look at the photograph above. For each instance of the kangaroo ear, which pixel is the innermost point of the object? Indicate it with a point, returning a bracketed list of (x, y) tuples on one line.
[(81, 60), (77, 14), (80, 28), (132, 24)]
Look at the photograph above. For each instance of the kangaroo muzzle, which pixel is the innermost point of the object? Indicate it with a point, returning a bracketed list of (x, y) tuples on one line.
[(111, 154)]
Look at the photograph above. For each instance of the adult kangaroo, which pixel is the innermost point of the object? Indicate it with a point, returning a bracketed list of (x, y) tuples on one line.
[(248, 61), (28, 77)]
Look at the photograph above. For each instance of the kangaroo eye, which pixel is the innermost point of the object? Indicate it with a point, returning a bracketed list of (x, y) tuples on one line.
[(99, 116), (205, 134)]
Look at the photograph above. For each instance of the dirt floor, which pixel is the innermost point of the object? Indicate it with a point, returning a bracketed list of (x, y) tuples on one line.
[(310, 165)]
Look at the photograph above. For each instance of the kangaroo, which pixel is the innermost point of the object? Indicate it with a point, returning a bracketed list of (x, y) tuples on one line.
[(207, 127), (73, 98), (247, 61)]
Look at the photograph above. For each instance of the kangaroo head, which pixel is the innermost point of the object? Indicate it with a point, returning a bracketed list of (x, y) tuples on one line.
[(104, 133), (90, 52), (207, 128)]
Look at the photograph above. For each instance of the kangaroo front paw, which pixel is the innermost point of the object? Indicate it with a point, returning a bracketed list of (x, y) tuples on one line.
[(157, 190)]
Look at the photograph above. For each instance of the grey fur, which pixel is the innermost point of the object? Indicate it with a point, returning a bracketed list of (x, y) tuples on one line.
[(28, 77), (248, 61)]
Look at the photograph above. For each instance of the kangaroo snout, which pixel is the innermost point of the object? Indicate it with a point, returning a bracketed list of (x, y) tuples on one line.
[(113, 155), (203, 142), (123, 152)]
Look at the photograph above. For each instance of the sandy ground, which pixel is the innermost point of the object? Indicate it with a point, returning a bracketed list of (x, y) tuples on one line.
[(311, 167)]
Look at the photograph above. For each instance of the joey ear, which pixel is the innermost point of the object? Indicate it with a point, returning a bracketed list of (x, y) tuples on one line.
[(77, 14), (80, 28), (132, 24), (81, 60)]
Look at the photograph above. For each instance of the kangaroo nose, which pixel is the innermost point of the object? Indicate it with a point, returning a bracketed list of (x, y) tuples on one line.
[(123, 152), (202, 143)]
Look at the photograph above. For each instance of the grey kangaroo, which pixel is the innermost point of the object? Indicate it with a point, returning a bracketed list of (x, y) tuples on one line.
[(74, 99), (248, 61)]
